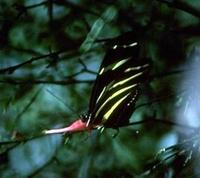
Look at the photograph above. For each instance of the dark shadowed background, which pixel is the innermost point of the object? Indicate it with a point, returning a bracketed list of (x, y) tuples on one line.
[(50, 52)]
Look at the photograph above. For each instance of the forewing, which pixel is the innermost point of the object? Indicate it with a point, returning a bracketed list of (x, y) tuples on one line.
[(106, 75), (116, 87)]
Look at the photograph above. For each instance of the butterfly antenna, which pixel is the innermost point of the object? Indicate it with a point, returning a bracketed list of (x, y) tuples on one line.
[(73, 111)]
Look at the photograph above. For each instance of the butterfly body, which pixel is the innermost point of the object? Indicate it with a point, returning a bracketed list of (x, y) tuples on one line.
[(115, 90)]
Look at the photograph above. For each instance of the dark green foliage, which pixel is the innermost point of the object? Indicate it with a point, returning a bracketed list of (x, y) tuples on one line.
[(50, 53)]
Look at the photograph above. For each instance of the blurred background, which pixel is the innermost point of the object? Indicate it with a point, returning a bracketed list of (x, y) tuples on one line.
[(50, 53)]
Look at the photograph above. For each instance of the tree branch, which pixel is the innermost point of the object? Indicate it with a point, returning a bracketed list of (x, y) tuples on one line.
[(182, 6), (167, 122), (75, 6), (11, 69), (35, 82)]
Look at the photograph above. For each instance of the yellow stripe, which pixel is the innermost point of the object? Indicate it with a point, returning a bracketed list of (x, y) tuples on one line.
[(114, 95), (101, 71), (107, 115), (115, 47), (136, 68), (120, 63), (101, 94), (130, 45), (133, 44), (126, 80)]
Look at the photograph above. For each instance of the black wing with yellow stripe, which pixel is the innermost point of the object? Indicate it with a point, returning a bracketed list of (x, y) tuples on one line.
[(116, 87)]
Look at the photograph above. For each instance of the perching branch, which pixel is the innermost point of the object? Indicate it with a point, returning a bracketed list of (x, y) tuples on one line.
[(146, 121)]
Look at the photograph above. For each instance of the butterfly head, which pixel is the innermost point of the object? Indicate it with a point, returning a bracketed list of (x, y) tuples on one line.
[(86, 118)]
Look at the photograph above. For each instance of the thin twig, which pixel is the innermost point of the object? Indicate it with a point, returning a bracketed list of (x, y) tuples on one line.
[(182, 6), (156, 100), (69, 55), (75, 6), (36, 82), (22, 140), (167, 122), (32, 100), (61, 100), (24, 50), (85, 69), (11, 69), (36, 5), (42, 167), (166, 74)]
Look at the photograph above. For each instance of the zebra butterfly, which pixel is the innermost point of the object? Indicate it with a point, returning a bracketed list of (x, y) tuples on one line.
[(115, 90)]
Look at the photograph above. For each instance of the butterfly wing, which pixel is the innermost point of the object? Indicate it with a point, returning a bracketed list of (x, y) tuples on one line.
[(116, 87)]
